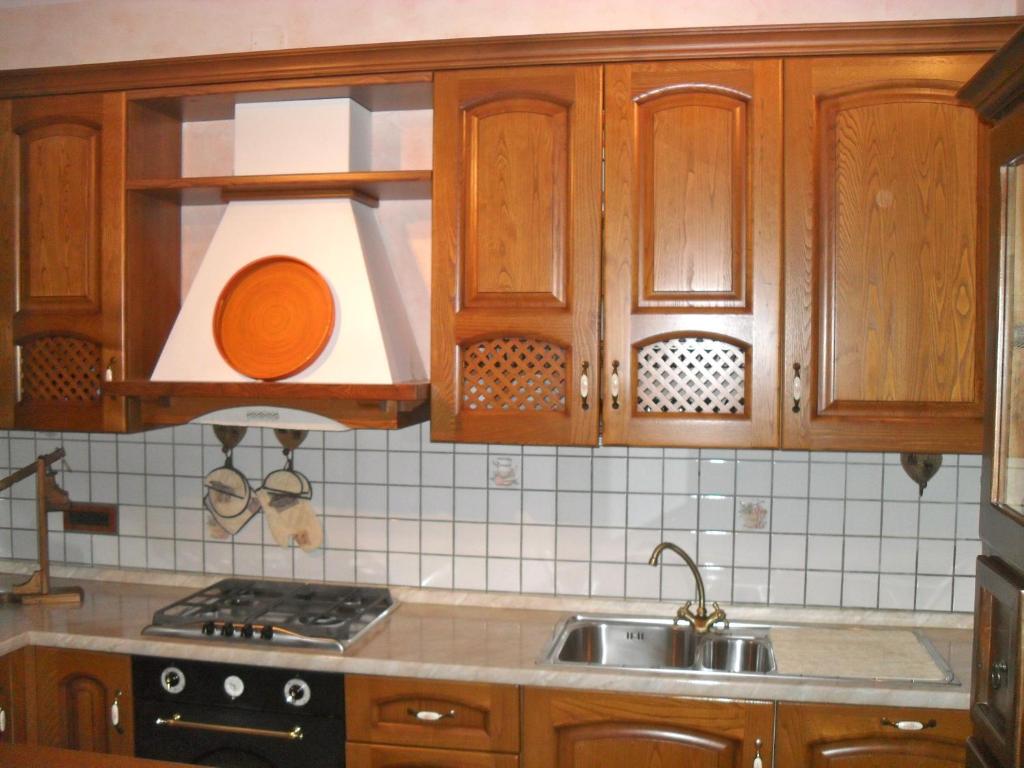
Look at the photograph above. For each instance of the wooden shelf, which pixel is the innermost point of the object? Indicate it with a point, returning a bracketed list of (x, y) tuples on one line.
[(382, 406), (368, 186)]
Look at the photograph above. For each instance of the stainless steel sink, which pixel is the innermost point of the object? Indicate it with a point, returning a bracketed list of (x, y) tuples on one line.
[(659, 645)]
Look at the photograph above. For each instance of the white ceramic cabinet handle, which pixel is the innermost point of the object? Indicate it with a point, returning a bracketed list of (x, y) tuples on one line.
[(908, 725), (615, 385), (798, 388), (758, 762), (585, 385), (3, 720), (115, 712), (429, 716)]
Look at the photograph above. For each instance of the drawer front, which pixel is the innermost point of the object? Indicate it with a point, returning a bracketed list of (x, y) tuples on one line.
[(996, 698), (382, 756), (429, 713)]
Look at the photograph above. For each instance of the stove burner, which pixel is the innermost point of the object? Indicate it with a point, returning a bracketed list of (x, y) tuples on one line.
[(327, 616)]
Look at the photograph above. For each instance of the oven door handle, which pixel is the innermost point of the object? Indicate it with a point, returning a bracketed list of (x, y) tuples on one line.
[(175, 721)]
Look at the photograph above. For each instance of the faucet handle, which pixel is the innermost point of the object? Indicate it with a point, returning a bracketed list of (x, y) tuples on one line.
[(717, 615), (685, 615)]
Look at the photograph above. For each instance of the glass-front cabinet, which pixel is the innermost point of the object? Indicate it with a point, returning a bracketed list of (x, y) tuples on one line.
[(1008, 451)]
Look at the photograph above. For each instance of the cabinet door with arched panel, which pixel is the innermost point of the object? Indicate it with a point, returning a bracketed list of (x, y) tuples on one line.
[(692, 262), (517, 222)]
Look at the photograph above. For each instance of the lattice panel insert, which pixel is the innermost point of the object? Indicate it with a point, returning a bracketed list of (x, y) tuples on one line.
[(513, 375), (61, 368), (691, 375)]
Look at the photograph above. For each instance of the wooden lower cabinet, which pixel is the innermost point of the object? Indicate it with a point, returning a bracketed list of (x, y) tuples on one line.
[(383, 756), (840, 736), (584, 729), (76, 692), (428, 723), (12, 698)]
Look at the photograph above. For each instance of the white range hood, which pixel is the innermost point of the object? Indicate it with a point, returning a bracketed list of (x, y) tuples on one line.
[(372, 341)]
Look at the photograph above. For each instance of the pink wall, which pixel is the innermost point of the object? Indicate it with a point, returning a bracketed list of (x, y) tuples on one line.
[(35, 33)]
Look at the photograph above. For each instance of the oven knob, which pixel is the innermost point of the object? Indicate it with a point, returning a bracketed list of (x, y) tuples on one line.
[(228, 630), (267, 633), (247, 630), (173, 680), (209, 628), (296, 692), (233, 686)]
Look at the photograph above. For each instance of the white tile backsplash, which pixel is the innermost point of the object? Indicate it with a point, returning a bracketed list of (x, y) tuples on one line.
[(778, 527)]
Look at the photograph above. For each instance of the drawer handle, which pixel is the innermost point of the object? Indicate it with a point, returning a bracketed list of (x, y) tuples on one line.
[(429, 716), (997, 675), (908, 725)]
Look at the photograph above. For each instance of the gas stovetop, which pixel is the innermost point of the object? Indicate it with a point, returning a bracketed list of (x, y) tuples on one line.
[(328, 616)]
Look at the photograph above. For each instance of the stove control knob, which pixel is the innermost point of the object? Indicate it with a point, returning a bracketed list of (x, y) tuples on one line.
[(173, 680), (247, 630), (209, 628), (267, 633), (228, 630), (296, 692), (233, 686)]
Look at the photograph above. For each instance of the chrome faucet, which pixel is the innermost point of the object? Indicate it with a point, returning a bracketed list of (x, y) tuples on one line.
[(701, 621)]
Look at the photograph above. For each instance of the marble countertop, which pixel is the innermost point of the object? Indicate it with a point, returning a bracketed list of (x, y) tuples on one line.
[(472, 637)]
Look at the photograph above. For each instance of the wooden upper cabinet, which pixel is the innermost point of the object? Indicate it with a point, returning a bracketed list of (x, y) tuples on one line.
[(76, 692), (884, 255), (692, 261), (585, 729), (839, 736), (62, 170), (516, 255)]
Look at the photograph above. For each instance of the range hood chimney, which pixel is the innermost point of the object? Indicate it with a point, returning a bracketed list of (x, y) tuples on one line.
[(372, 342)]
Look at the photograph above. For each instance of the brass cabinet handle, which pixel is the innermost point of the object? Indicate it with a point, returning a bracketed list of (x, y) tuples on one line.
[(585, 385), (908, 725), (429, 716), (175, 721), (997, 675), (115, 712), (614, 385), (758, 762), (798, 388)]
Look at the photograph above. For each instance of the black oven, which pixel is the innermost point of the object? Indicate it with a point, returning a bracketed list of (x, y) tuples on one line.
[(236, 716)]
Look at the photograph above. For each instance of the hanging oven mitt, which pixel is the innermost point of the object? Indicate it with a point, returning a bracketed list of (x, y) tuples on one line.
[(291, 517)]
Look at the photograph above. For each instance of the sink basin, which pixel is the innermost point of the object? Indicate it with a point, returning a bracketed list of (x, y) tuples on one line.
[(629, 644), (737, 654), (658, 645)]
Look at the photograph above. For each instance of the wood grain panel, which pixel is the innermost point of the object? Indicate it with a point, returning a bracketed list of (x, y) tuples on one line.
[(60, 217), (898, 208), (692, 167), (8, 262), (74, 691), (885, 258), (476, 716), (381, 756), (515, 203), (692, 222), (516, 246), (840, 736), (577, 729)]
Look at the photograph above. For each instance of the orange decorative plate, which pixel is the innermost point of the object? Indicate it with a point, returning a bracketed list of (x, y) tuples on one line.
[(273, 318)]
